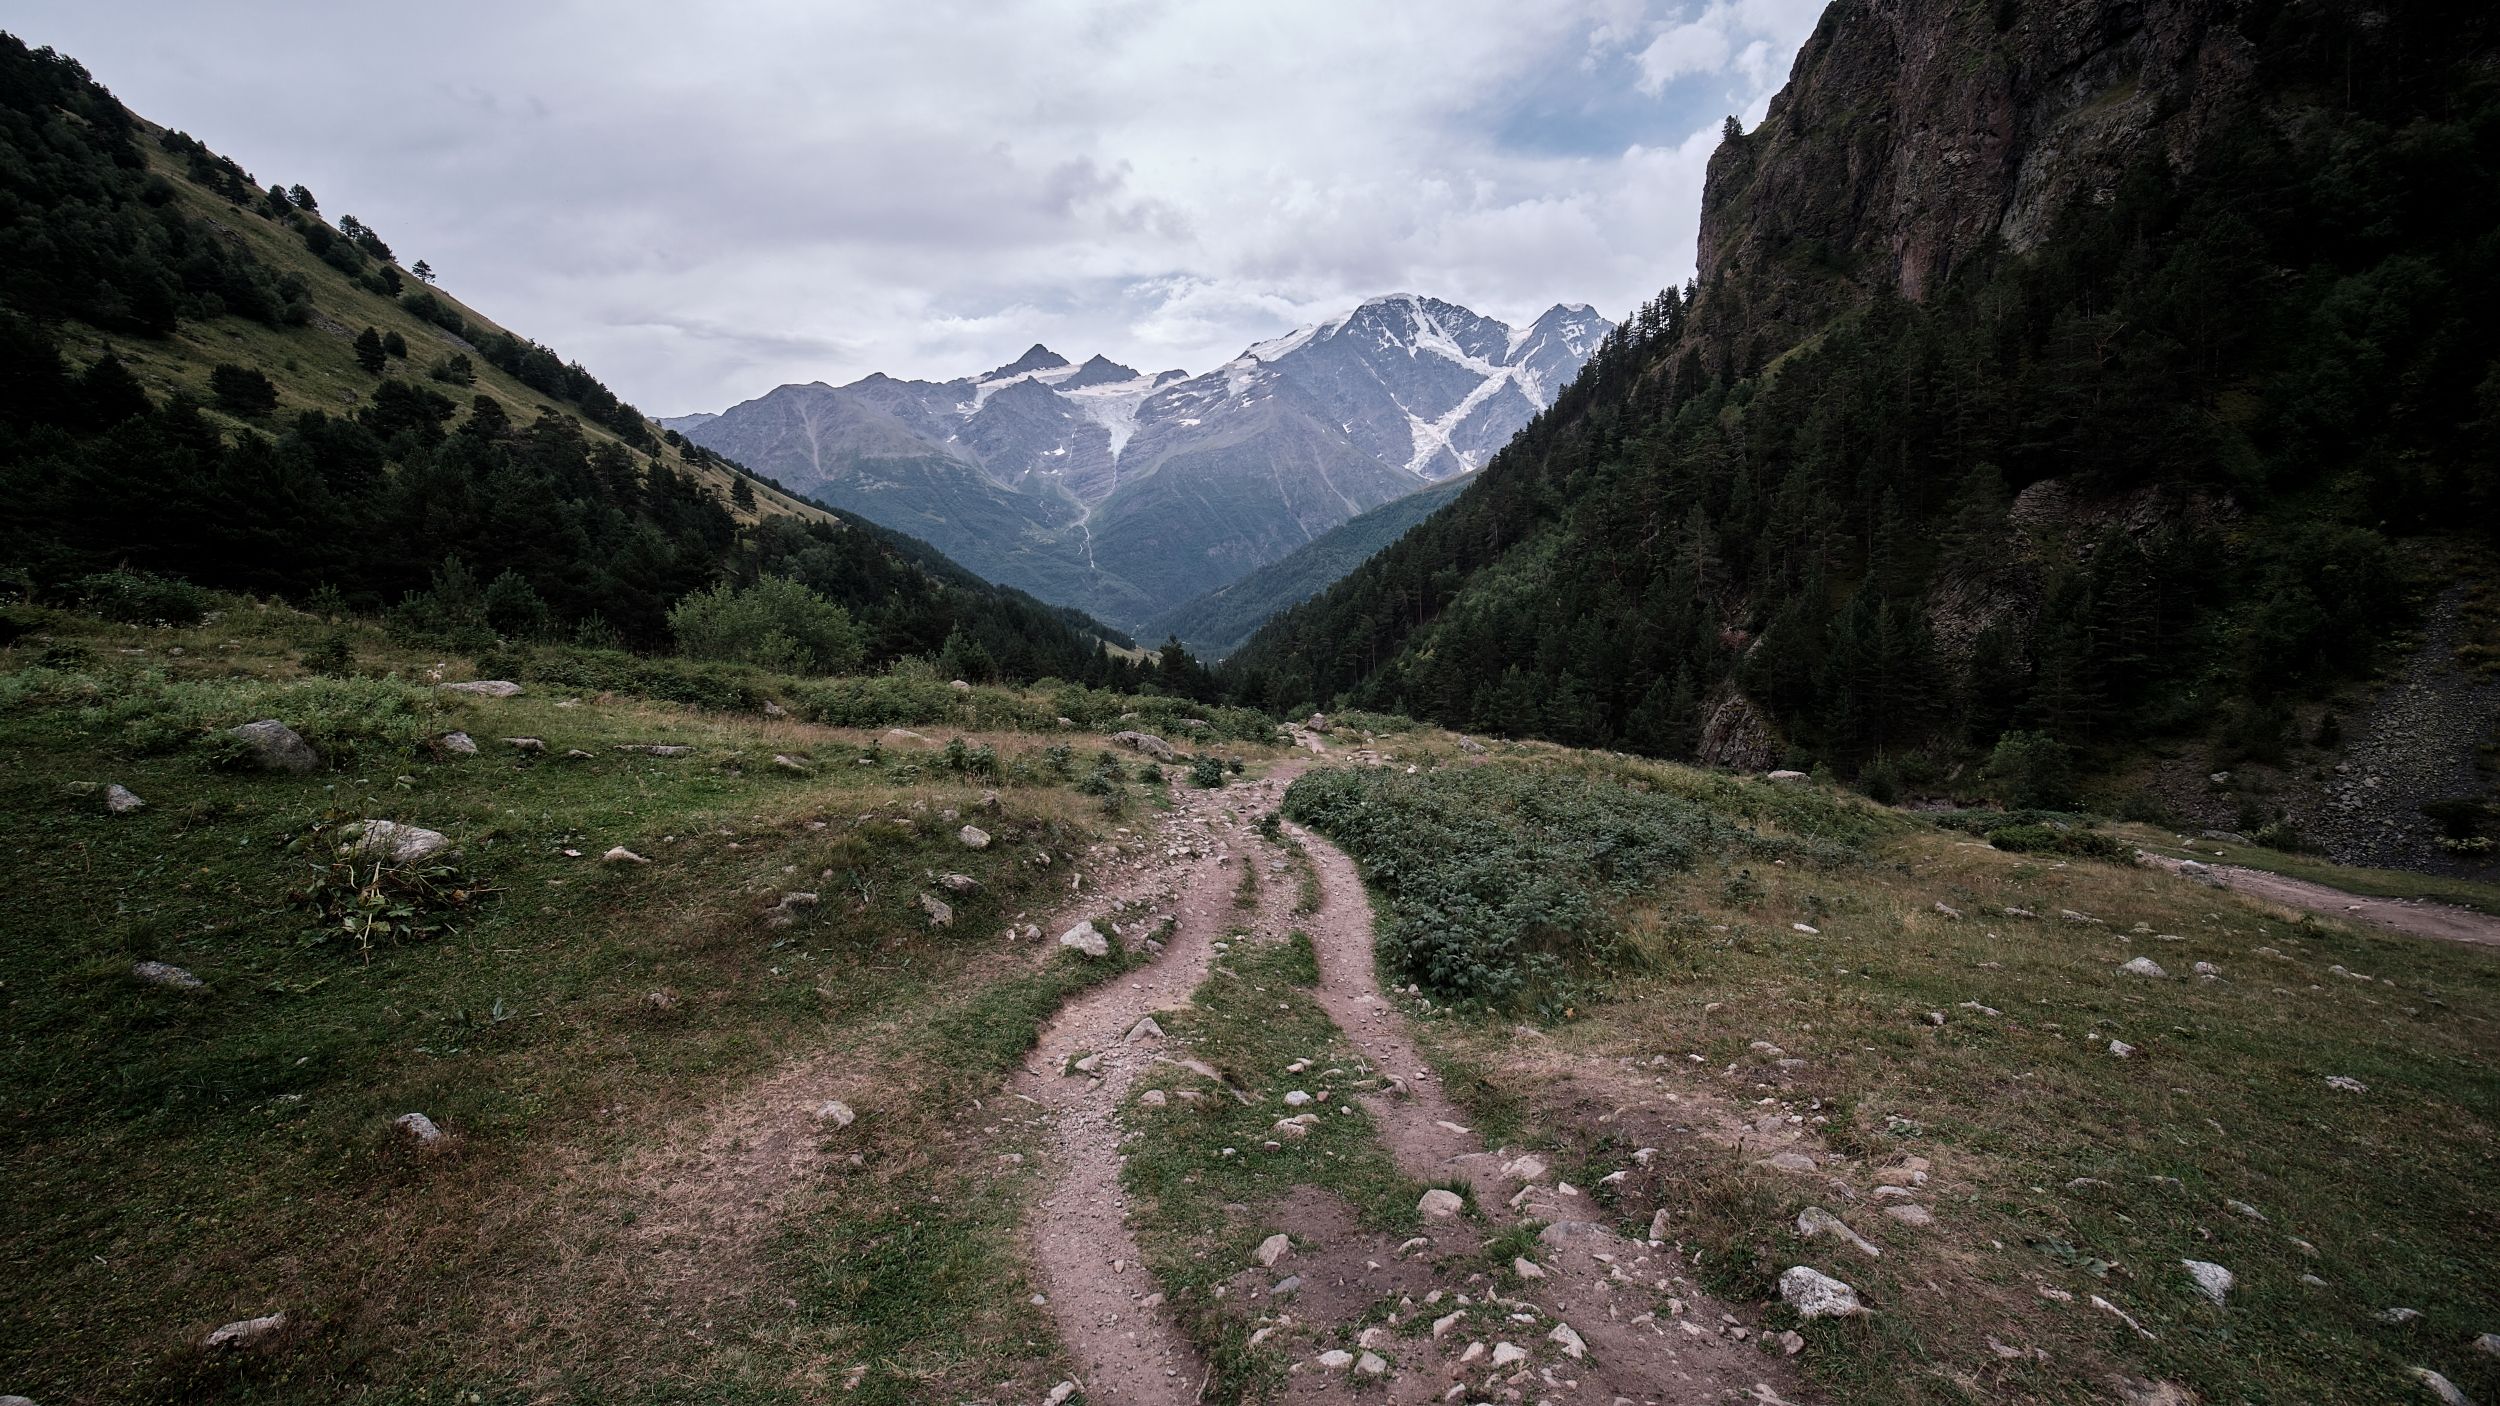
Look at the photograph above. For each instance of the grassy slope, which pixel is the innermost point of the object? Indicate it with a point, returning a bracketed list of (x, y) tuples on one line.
[(184, 1159), (2225, 1093), (314, 366)]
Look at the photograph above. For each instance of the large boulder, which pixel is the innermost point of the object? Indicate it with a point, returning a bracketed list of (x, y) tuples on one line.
[(276, 747), (392, 842), (1147, 743)]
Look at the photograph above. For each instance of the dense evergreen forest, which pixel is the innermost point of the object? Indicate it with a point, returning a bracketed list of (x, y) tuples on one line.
[(428, 498), (2230, 393)]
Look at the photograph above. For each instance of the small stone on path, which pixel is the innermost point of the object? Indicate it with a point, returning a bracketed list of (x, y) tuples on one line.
[(1440, 1204)]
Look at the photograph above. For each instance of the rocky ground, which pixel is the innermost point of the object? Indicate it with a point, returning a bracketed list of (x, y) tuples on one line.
[(2417, 743)]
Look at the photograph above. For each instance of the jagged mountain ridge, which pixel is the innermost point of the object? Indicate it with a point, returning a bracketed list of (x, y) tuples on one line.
[(1121, 492)]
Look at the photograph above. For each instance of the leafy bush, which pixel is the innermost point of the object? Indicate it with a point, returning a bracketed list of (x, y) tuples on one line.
[(142, 597), (2043, 838), (369, 900), (1496, 877), (1207, 773), (343, 719), (2033, 769), (775, 623), (332, 656)]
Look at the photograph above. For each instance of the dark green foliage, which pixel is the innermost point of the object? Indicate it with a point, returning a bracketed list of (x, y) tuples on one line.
[(1207, 773), (369, 352), (2033, 769), (453, 369), (367, 901), (333, 656), (2049, 839), (241, 390), (1496, 878), (395, 345), (143, 598), (2221, 393)]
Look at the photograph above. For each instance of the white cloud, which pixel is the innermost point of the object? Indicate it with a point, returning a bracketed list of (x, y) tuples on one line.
[(700, 204)]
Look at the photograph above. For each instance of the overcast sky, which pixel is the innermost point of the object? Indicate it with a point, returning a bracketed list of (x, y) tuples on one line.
[(702, 202)]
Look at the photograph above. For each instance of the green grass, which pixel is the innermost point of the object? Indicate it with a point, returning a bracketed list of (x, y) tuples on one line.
[(185, 1158), (2225, 1094), (1249, 1022)]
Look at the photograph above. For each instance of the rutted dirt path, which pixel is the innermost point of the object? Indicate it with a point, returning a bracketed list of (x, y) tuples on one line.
[(1101, 1295), (2422, 919), (1597, 1284)]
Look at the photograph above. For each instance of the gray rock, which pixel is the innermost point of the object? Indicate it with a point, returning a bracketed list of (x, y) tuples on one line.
[(1290, 1284), (974, 837), (2442, 1388), (1569, 1341), (1910, 1213), (1370, 1364), (1785, 775), (529, 745), (1796, 1162), (787, 762), (2488, 1344), (243, 1332), (904, 737), (1335, 1359), (392, 842), (419, 1127), (276, 747), (941, 913), (1145, 1029), (484, 688), (1272, 1249), (959, 883), (622, 855), (1147, 743), (1086, 938), (457, 743), (1815, 1294), (1440, 1204), (120, 801), (166, 974), (836, 1112), (2143, 966), (2212, 1280), (1814, 1221), (655, 749)]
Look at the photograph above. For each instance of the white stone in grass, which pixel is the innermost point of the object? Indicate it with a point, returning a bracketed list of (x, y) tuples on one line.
[(1910, 1213), (1059, 1394), (1505, 1354), (941, 913), (1569, 1341), (1153, 1098), (243, 1332), (1371, 1364), (458, 744), (1815, 1294), (392, 842), (1272, 1249), (484, 688), (1658, 1226), (2345, 1083), (1527, 1268), (419, 1127), (1441, 1326), (1086, 938), (836, 1112), (2212, 1280), (2143, 966), (1336, 1359), (1296, 1098), (166, 974), (1440, 1204), (121, 801), (2442, 1388), (2397, 1317), (622, 855), (1807, 928), (2121, 1048), (974, 837)]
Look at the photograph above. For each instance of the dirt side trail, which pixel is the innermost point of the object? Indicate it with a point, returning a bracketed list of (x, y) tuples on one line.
[(1596, 1284), (2421, 919), (1086, 1258)]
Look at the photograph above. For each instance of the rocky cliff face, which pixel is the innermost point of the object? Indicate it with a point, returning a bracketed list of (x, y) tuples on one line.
[(1914, 135)]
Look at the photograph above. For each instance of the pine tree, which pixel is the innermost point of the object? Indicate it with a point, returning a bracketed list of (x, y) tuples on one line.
[(369, 351)]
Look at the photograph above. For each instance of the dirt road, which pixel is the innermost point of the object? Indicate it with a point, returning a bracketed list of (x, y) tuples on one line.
[(2414, 916)]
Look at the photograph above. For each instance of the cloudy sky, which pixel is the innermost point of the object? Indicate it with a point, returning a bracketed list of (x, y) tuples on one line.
[(701, 202)]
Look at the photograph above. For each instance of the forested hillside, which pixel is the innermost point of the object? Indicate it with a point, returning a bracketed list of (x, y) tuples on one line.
[(2070, 381), (203, 378)]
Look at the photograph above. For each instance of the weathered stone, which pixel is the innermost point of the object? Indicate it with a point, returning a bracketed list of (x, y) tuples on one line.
[(959, 883), (1272, 1249), (622, 855), (941, 914), (1815, 1294), (1335, 1359), (2397, 1317), (904, 737), (1796, 1162), (1569, 1341), (2345, 1083), (1371, 1364), (276, 747), (484, 688), (1814, 1221), (836, 1112), (1146, 743), (1910, 1213), (2212, 1280), (1086, 938), (392, 842), (655, 749), (419, 1127), (1505, 1354), (1786, 775), (2441, 1387), (2143, 966), (244, 1332), (458, 743), (166, 974), (532, 746), (1145, 1029), (973, 837), (120, 801), (1440, 1204)]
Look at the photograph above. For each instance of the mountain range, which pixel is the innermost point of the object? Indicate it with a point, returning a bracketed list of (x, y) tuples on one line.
[(1121, 492)]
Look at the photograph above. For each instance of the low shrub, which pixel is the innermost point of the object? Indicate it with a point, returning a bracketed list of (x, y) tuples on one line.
[(144, 598), (344, 719)]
